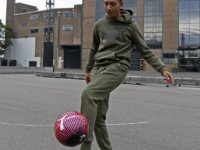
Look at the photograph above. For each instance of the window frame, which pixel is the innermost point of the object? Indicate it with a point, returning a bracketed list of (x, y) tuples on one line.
[(33, 30), (153, 23)]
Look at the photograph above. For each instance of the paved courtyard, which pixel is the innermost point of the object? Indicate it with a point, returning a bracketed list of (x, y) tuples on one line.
[(139, 118)]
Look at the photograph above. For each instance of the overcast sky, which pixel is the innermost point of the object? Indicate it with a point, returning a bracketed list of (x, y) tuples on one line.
[(40, 4)]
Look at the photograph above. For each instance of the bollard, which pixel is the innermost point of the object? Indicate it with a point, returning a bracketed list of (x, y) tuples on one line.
[(141, 64)]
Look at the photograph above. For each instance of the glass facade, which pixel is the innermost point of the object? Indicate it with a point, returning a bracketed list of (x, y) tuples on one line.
[(100, 11), (169, 58), (132, 5), (189, 60), (128, 4), (153, 12), (189, 35), (189, 21)]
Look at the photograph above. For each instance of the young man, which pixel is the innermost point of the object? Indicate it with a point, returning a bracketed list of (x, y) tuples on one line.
[(114, 37)]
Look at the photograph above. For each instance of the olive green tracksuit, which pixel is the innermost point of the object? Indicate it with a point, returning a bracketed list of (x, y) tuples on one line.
[(112, 45)]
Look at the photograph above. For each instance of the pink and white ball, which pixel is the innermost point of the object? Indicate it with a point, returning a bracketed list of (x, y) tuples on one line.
[(71, 128)]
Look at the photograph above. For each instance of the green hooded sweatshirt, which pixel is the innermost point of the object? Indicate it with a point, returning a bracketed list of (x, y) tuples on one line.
[(114, 40)]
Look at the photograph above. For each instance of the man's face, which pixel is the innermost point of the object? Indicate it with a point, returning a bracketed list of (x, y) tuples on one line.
[(112, 8)]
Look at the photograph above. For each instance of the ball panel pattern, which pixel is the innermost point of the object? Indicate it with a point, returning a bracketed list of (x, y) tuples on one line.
[(71, 128)]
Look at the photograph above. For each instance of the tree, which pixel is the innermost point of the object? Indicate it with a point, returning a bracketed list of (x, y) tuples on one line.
[(6, 33)]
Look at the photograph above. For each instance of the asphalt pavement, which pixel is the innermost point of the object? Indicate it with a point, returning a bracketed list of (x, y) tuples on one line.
[(139, 118)]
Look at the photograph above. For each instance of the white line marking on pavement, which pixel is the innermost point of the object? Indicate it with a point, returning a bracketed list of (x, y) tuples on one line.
[(25, 125), (184, 88), (159, 77), (30, 125), (123, 124)]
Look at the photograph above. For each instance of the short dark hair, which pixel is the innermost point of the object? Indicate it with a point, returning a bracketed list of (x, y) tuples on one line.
[(120, 1)]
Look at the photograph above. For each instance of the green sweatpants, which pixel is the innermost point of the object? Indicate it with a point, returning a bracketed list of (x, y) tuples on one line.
[(95, 103)]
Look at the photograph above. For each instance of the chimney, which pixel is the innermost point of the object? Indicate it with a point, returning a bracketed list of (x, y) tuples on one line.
[(10, 11)]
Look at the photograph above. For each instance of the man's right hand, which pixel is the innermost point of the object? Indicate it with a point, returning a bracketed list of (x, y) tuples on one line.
[(87, 78)]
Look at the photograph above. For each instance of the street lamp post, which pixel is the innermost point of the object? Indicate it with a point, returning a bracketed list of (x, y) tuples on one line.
[(58, 36)]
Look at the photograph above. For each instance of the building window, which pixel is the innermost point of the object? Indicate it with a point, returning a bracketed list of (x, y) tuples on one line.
[(169, 58), (189, 59), (33, 30), (2, 34), (32, 63), (189, 54), (34, 17), (24, 10), (153, 11), (68, 28), (68, 14), (189, 21), (46, 29), (100, 11), (48, 16), (132, 5), (128, 4)]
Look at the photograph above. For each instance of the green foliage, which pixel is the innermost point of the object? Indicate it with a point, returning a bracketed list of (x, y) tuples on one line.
[(6, 33), (175, 64)]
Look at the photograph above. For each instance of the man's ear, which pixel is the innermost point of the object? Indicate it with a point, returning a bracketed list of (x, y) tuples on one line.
[(121, 4)]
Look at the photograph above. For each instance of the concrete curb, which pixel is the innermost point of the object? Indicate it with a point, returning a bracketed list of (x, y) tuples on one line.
[(137, 80), (23, 70), (187, 81)]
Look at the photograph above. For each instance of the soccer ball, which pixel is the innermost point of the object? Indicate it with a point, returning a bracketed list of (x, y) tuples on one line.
[(71, 128)]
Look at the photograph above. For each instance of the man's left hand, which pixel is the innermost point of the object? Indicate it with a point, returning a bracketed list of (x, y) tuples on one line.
[(168, 77)]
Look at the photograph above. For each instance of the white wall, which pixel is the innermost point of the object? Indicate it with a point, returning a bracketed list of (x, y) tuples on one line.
[(1, 56), (22, 50)]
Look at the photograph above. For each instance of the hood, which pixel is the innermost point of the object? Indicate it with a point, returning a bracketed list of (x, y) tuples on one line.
[(126, 14)]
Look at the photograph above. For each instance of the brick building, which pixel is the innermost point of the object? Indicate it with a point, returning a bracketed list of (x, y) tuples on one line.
[(29, 24), (171, 28)]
